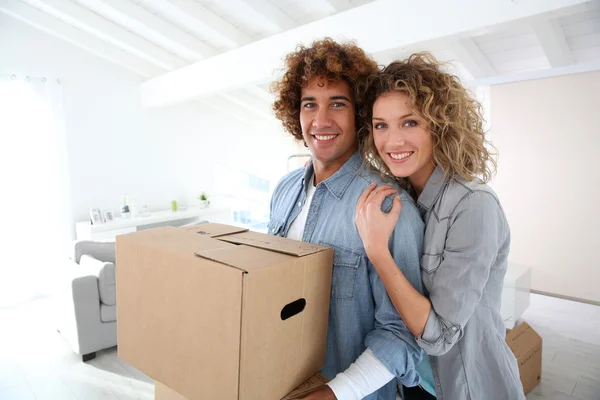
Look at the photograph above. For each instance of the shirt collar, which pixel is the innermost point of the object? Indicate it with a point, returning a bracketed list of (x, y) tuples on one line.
[(433, 188), (338, 182)]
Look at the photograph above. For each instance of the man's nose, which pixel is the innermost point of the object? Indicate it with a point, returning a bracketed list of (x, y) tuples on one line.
[(323, 118)]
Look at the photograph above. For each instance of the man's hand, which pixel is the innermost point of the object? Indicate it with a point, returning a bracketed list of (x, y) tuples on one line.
[(323, 393)]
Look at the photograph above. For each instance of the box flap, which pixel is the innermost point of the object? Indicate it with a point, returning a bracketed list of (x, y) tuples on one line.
[(522, 339), (273, 243), (244, 258), (214, 230)]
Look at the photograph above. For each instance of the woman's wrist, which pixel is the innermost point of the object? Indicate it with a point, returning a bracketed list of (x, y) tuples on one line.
[(378, 254)]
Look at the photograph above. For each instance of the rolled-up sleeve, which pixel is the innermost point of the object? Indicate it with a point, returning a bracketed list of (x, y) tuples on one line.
[(476, 230), (391, 341)]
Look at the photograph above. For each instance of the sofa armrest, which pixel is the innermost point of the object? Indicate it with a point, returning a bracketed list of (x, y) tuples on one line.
[(80, 305)]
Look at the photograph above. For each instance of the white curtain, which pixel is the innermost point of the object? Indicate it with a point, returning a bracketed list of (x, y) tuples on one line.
[(34, 204)]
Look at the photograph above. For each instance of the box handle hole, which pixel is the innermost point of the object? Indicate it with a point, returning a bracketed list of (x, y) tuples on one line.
[(294, 308)]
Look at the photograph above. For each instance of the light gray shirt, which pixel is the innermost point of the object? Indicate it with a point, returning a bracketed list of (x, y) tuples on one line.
[(467, 240)]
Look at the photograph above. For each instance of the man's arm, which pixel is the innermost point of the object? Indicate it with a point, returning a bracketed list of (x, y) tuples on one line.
[(363, 377), (392, 351)]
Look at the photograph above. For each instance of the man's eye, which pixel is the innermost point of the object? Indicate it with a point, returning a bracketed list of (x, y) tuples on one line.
[(410, 123), (309, 105), (380, 125), (338, 105)]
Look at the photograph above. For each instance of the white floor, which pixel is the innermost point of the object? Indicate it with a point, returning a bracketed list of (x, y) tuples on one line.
[(571, 348), (36, 364)]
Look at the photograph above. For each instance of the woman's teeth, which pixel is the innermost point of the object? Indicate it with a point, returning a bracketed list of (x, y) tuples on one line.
[(400, 156)]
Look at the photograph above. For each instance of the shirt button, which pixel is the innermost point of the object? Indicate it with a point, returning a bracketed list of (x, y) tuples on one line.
[(299, 204), (454, 328)]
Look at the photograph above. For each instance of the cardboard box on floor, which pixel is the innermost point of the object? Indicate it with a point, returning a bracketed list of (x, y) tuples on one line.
[(219, 312), (526, 345), (163, 392)]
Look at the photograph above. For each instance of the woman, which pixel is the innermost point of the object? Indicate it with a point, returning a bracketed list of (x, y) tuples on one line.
[(425, 129)]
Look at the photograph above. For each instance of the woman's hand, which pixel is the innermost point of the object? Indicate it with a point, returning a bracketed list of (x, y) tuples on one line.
[(374, 226)]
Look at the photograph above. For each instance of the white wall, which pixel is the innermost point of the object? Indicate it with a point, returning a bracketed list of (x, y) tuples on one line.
[(548, 136), (116, 147)]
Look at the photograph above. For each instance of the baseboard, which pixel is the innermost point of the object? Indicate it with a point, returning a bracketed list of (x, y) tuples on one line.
[(560, 296)]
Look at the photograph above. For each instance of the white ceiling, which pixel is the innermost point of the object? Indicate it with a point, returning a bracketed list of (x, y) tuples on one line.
[(157, 37)]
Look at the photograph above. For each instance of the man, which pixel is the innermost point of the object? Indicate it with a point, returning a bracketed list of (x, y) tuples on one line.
[(368, 345)]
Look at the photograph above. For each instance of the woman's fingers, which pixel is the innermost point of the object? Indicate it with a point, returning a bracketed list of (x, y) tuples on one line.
[(363, 197)]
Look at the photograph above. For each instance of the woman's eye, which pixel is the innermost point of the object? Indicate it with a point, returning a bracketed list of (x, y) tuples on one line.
[(410, 123), (380, 125)]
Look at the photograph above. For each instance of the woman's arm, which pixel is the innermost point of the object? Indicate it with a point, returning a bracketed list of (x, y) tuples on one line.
[(375, 228), (412, 306), (472, 242)]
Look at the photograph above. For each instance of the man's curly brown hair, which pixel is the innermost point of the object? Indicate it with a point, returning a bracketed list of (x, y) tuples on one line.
[(336, 61), (453, 117)]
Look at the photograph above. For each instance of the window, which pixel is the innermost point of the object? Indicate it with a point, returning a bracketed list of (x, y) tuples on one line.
[(247, 195)]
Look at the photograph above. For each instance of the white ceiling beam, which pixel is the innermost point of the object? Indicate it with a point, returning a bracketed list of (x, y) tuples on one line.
[(232, 110), (222, 107), (240, 10), (439, 49), (472, 58), (260, 93), (272, 13), (151, 27), (76, 37), (519, 23), (552, 39), (258, 62), (90, 22), (201, 21), (338, 5), (250, 103), (539, 74), (387, 56)]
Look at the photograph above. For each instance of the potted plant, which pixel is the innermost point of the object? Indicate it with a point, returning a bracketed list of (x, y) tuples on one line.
[(125, 212), (204, 201)]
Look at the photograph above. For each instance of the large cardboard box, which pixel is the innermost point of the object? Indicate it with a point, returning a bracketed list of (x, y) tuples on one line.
[(526, 345), (163, 392), (219, 312)]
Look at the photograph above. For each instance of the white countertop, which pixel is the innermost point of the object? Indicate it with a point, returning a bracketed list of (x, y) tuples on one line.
[(154, 218)]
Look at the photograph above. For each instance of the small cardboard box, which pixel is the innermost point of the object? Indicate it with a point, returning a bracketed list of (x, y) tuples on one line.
[(526, 345), (219, 312), (162, 392)]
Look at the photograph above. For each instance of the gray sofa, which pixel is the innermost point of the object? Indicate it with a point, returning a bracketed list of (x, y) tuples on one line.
[(87, 297)]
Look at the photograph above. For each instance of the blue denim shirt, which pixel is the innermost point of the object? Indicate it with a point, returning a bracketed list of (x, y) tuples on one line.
[(361, 315)]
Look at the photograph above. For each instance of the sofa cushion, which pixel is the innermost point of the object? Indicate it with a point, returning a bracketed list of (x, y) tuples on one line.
[(105, 271), (108, 313), (104, 251)]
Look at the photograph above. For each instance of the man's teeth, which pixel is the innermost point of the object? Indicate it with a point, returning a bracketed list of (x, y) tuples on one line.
[(325, 137), (400, 156)]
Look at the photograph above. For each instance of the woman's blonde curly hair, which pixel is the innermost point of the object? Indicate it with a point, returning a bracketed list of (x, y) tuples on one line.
[(453, 117)]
